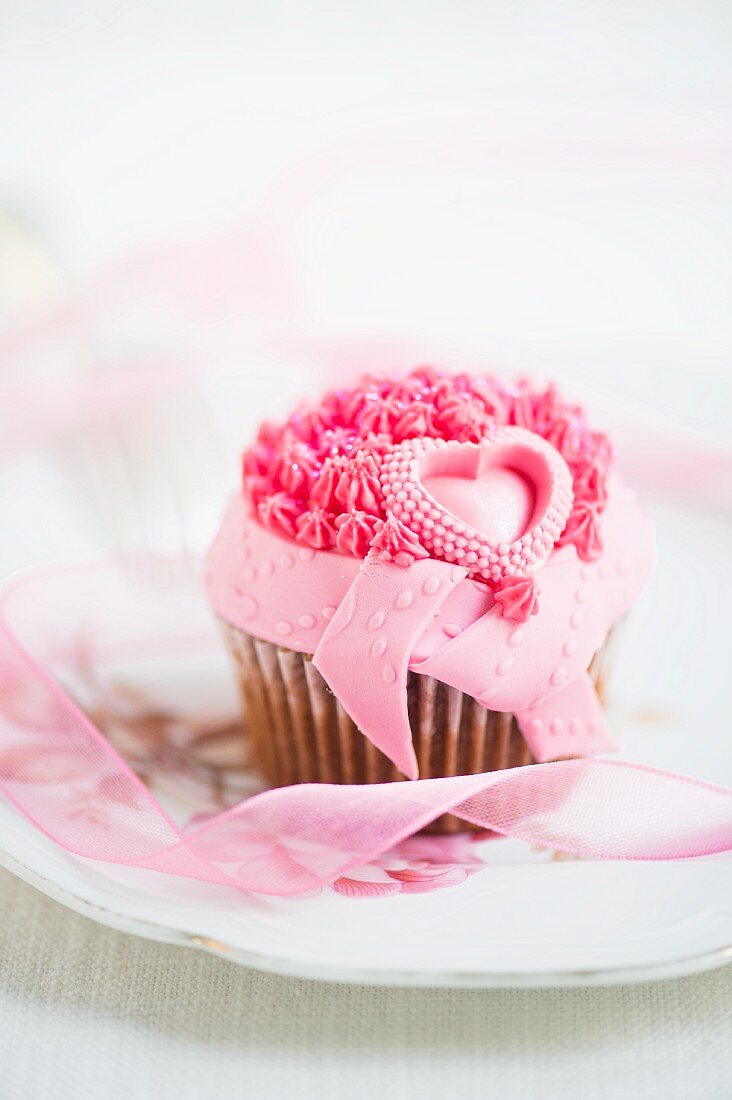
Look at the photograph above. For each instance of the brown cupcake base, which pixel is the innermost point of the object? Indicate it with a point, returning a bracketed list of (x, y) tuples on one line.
[(298, 731)]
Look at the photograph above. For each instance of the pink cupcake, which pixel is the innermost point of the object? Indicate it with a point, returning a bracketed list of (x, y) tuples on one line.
[(419, 579)]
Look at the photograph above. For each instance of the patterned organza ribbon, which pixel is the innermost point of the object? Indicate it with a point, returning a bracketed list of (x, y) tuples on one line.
[(59, 771)]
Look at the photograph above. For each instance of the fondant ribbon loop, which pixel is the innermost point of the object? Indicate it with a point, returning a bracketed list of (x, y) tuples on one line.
[(365, 650)]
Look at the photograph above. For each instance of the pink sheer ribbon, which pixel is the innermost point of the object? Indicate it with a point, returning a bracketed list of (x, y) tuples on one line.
[(59, 771)]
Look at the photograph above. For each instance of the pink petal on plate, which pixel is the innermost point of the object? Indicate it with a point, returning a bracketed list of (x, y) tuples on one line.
[(358, 888), (422, 882)]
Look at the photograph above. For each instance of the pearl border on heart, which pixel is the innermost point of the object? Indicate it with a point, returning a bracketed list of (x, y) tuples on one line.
[(452, 539)]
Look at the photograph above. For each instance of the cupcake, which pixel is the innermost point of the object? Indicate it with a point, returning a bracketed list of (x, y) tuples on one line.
[(419, 578)]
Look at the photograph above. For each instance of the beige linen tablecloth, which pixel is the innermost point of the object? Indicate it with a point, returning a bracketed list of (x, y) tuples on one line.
[(88, 1012)]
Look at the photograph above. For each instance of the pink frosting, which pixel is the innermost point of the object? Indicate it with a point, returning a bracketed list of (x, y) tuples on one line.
[(279, 512), (518, 598), (355, 533), (583, 531), (395, 542), (316, 528), (328, 455), (358, 487), (323, 492), (338, 549)]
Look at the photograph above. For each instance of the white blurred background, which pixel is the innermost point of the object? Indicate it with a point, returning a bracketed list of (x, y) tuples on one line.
[(277, 190)]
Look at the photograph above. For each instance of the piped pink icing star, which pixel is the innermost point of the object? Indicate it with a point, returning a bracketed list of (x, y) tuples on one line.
[(590, 484), (324, 488), (416, 420), (395, 542), (518, 598), (279, 512), (355, 532), (358, 486), (263, 454), (583, 532), (378, 415), (296, 468), (464, 419), (316, 529)]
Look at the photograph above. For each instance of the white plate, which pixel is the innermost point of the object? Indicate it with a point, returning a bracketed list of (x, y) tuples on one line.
[(526, 918)]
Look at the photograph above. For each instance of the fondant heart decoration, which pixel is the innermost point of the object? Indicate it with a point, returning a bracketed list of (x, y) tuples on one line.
[(496, 507)]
